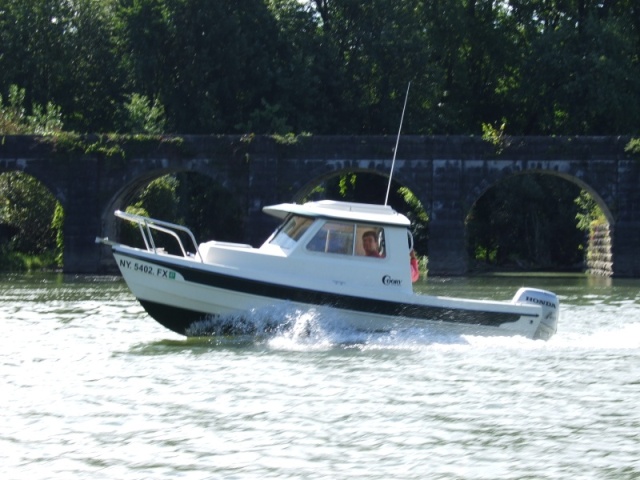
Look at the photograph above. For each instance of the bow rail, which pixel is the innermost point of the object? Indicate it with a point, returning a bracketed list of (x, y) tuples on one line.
[(147, 225)]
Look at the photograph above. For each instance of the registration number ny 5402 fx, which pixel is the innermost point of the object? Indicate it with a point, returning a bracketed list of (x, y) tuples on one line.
[(147, 269)]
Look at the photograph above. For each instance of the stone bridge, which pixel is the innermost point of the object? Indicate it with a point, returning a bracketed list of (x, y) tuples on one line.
[(96, 175)]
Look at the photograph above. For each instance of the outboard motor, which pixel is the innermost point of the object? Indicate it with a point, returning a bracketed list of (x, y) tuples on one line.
[(550, 309)]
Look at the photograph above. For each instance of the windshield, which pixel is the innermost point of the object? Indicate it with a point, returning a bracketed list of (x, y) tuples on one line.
[(293, 228)]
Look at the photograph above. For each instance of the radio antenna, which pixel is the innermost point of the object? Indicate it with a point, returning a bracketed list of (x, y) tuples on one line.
[(393, 163)]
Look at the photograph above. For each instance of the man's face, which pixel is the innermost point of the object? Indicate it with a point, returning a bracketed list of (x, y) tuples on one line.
[(370, 245)]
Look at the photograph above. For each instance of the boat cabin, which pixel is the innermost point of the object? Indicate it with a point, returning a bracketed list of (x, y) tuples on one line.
[(327, 245), (337, 237), (368, 242)]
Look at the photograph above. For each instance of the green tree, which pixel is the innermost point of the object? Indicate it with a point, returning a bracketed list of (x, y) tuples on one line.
[(528, 221), (30, 217), (633, 147), (476, 56), (329, 66), (210, 210), (187, 199), (144, 116), (589, 213), (15, 119), (159, 199), (28, 207), (62, 52), (419, 220), (144, 44), (370, 188), (177, 55), (57, 225), (377, 47), (92, 70), (578, 72)]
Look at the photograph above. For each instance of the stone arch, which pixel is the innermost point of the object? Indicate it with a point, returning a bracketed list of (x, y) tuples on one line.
[(328, 170), (121, 197), (317, 178), (598, 254), (491, 181), (38, 230), (43, 176)]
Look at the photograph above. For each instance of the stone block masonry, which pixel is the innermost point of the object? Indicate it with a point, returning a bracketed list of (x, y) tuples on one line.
[(448, 174)]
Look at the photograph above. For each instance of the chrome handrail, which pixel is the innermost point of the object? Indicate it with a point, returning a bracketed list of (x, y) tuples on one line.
[(148, 224)]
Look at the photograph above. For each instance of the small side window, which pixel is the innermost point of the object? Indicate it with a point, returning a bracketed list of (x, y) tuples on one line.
[(333, 237), (370, 241)]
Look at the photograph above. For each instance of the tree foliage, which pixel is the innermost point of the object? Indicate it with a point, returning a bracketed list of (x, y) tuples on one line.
[(529, 221), (29, 211), (371, 188), (64, 52), (15, 119), (186, 199), (482, 67), (144, 116), (589, 214), (329, 66)]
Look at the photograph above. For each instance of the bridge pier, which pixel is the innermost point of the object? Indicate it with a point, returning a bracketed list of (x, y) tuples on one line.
[(81, 254), (626, 238), (82, 217), (447, 233), (447, 248)]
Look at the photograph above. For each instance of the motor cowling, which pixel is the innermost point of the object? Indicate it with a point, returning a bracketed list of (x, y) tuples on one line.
[(550, 309)]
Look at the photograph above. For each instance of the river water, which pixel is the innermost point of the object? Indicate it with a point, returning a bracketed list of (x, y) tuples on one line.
[(92, 388)]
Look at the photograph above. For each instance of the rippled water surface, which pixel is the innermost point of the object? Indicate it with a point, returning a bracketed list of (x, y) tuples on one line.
[(93, 388)]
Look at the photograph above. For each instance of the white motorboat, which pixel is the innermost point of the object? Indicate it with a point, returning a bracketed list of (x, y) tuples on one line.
[(349, 257)]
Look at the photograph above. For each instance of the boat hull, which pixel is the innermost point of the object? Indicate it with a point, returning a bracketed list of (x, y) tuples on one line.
[(192, 298)]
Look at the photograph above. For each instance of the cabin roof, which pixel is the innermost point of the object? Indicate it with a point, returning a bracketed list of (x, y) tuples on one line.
[(349, 211)]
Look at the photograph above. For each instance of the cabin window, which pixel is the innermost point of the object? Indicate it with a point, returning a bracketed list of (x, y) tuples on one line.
[(370, 241), (347, 239), (291, 231), (333, 237)]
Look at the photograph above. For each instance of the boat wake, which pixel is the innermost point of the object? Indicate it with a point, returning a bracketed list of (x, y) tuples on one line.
[(619, 336), (290, 327), (256, 322), (310, 326), (293, 328)]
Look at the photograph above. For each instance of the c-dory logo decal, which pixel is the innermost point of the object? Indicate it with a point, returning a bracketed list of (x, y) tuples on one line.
[(148, 269), (387, 280)]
